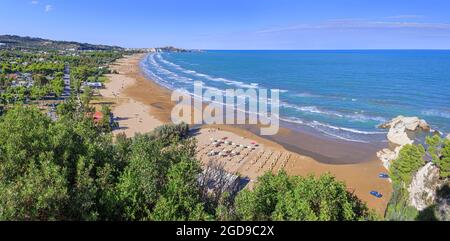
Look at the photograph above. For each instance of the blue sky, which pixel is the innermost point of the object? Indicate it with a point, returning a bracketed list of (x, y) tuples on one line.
[(235, 24)]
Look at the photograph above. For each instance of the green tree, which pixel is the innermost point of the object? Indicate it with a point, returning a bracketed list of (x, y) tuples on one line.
[(398, 208), (410, 160), (86, 97), (149, 178), (444, 162), (279, 197), (40, 193), (40, 80), (260, 203), (37, 92), (181, 199), (105, 122), (73, 153), (68, 108), (84, 192), (439, 150), (142, 180), (321, 199), (86, 155), (171, 133), (32, 186), (57, 86), (24, 140)]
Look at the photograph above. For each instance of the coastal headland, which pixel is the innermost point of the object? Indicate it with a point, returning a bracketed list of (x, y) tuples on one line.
[(140, 105)]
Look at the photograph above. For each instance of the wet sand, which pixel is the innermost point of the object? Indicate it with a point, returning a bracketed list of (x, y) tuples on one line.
[(323, 149), (297, 153)]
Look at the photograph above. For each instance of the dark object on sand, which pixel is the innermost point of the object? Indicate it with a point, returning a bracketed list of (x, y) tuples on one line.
[(376, 194), (383, 175)]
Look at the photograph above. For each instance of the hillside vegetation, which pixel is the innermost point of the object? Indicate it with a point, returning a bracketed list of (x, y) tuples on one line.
[(18, 42)]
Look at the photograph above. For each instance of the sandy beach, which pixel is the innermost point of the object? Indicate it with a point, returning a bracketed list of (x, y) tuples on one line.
[(133, 116), (141, 105)]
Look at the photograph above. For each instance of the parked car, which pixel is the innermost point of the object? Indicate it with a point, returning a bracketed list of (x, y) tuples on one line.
[(383, 175), (376, 194)]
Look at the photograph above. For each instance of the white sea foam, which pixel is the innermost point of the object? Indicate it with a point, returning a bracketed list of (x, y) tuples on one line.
[(169, 74), (317, 127), (307, 95), (351, 117), (348, 129), (334, 131), (208, 77), (437, 113), (239, 84), (310, 109), (342, 133)]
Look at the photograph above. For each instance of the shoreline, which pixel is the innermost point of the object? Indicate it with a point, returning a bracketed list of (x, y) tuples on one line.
[(348, 162), (299, 138), (133, 115)]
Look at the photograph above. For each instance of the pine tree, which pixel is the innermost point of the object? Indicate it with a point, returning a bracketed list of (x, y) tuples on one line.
[(410, 160)]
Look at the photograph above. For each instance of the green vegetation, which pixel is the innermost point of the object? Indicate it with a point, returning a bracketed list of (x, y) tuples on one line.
[(444, 162), (398, 208), (28, 43), (70, 169), (61, 164), (105, 122), (439, 150), (32, 75), (410, 160), (402, 170), (279, 197)]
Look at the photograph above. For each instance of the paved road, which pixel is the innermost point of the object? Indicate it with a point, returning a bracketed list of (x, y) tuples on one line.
[(65, 95), (67, 88)]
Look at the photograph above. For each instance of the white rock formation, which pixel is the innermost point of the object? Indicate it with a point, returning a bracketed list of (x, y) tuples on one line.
[(387, 156), (398, 135), (422, 190), (399, 127), (411, 123), (448, 136)]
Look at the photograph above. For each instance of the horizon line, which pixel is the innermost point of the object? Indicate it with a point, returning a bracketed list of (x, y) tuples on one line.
[(368, 49)]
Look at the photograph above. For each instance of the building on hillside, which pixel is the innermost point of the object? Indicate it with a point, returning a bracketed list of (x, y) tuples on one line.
[(95, 85), (97, 116)]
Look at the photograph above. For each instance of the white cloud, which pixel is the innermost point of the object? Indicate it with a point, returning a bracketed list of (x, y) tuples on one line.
[(359, 24), (34, 2), (411, 16), (48, 8)]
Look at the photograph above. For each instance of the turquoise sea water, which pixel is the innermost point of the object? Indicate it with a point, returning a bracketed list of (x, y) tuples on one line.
[(341, 94)]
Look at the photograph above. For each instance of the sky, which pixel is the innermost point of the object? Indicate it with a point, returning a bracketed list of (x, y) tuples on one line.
[(235, 24)]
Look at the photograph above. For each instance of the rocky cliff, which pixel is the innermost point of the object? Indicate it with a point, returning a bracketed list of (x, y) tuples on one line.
[(424, 186), (401, 130), (429, 193)]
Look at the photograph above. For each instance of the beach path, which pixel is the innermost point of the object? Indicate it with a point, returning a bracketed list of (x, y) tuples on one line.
[(132, 115)]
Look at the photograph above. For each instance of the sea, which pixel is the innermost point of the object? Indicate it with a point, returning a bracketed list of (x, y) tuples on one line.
[(341, 94)]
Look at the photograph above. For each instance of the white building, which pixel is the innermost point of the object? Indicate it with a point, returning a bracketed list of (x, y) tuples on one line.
[(95, 85)]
